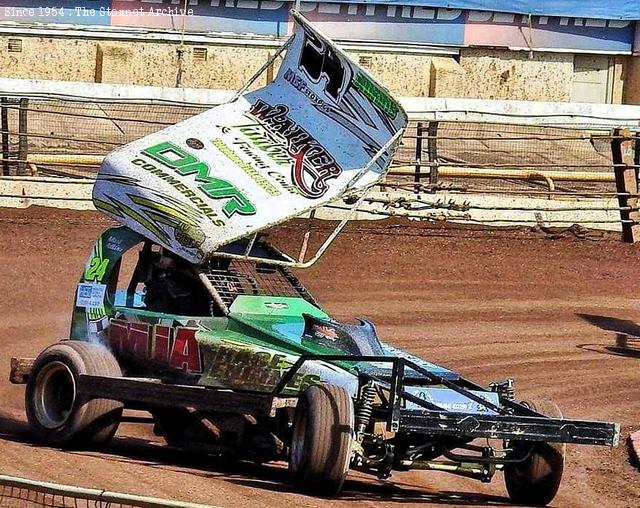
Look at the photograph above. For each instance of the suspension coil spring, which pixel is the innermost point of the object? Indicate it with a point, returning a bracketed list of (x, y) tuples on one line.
[(364, 407), (504, 388)]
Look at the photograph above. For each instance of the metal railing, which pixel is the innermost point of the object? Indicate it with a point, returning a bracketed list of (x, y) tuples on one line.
[(16, 492), (452, 151)]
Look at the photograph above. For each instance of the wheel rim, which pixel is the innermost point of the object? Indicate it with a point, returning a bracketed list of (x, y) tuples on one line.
[(297, 441), (55, 394)]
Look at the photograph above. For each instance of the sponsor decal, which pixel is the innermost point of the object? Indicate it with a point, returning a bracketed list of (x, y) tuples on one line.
[(282, 364), (276, 305), (312, 165), (90, 295), (375, 94), (325, 332), (200, 204), (261, 369), (269, 147), (115, 244), (284, 182), (175, 347), (189, 235), (300, 84), (246, 167), (185, 164), (194, 143), (447, 400)]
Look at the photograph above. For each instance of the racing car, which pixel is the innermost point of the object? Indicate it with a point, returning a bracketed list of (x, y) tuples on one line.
[(186, 310)]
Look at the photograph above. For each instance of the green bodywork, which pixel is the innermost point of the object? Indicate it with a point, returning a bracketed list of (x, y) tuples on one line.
[(249, 348)]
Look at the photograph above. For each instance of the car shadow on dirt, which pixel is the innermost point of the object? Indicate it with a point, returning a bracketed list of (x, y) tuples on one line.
[(627, 335), (388, 492), (13, 429), (270, 477)]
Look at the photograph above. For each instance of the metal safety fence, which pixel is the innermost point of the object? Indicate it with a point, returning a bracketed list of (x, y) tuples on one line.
[(560, 166), (521, 159), (18, 492), (69, 137)]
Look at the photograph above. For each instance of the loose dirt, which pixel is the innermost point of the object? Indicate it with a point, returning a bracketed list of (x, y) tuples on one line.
[(561, 316)]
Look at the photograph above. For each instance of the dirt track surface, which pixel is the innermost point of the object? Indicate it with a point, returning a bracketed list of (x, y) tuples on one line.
[(558, 315)]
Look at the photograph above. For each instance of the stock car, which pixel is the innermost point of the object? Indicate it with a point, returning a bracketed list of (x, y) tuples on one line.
[(210, 331)]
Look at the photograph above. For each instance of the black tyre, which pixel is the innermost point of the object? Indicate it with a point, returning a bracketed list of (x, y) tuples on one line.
[(55, 412), (321, 440), (536, 481)]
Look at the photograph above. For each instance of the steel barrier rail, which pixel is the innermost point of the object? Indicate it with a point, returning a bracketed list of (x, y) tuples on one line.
[(476, 172), (418, 108), (516, 174), (105, 498), (65, 159), (408, 170)]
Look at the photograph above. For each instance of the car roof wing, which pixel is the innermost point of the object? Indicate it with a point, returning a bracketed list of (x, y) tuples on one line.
[(322, 129)]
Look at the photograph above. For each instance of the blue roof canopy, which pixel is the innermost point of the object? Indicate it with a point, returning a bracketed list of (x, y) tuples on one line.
[(594, 9)]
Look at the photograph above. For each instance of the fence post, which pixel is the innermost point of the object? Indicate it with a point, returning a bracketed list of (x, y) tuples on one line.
[(432, 147), (417, 174), (4, 102), (23, 145), (626, 173), (270, 69)]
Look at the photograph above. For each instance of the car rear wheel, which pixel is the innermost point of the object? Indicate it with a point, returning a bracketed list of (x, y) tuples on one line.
[(55, 411), (321, 440), (537, 480)]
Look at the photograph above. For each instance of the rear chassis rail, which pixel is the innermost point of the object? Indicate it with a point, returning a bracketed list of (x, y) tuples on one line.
[(513, 421)]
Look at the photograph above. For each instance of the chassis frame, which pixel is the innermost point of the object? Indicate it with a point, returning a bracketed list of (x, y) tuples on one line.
[(432, 425)]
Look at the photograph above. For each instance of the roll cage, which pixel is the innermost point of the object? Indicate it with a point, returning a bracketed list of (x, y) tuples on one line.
[(225, 278)]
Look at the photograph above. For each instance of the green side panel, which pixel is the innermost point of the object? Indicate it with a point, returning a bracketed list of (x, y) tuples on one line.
[(204, 323), (242, 362), (95, 293), (277, 306), (278, 317)]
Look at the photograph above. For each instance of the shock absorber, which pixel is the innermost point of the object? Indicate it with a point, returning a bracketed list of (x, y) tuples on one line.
[(364, 407), (504, 388)]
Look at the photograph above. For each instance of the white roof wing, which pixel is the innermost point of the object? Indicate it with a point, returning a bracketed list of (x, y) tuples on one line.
[(273, 154)]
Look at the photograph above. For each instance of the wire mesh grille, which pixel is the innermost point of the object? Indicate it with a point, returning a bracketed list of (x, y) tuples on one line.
[(461, 153), (524, 159), (17, 497), (57, 126), (462, 159), (248, 278)]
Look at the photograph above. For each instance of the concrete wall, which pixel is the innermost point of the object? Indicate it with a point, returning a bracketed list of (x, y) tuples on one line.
[(632, 80), (402, 74), (479, 73), (159, 64), (49, 58), (166, 64), (503, 74)]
